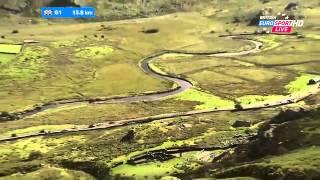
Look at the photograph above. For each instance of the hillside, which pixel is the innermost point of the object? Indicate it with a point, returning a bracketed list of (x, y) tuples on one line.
[(159, 89)]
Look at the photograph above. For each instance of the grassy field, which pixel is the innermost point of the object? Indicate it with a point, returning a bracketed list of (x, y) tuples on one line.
[(50, 173), (59, 73), (90, 147), (10, 48), (206, 100), (100, 59)]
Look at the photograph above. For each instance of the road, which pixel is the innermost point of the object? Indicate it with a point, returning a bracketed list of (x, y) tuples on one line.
[(183, 84), (315, 89)]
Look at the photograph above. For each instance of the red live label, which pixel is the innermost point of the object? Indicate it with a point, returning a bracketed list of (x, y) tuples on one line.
[(281, 29)]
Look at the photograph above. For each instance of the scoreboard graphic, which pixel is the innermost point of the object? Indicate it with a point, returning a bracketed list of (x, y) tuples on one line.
[(68, 12)]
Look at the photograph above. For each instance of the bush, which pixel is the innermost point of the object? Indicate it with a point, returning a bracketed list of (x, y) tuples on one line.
[(228, 31), (236, 20), (265, 1), (4, 114), (151, 31), (2, 37), (34, 155), (129, 137), (15, 31), (238, 106), (43, 131)]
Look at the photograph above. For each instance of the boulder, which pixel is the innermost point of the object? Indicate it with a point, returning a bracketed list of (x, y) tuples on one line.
[(241, 123)]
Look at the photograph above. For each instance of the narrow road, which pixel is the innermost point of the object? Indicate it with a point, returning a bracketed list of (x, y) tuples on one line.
[(183, 84), (315, 89)]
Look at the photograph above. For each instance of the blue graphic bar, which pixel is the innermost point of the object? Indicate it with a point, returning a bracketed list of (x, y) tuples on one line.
[(68, 12), (266, 23)]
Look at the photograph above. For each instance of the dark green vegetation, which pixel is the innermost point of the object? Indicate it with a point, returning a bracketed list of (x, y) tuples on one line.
[(292, 152), (75, 60)]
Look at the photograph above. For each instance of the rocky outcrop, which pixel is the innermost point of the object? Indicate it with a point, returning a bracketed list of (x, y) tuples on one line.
[(289, 115)]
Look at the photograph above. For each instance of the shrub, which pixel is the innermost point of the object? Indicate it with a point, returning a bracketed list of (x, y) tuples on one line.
[(4, 114), (34, 155), (236, 20), (129, 137), (15, 31), (151, 31), (238, 106)]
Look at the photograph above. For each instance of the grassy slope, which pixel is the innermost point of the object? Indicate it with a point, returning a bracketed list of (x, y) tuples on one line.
[(66, 77), (105, 145), (92, 146), (10, 48), (50, 173), (292, 153)]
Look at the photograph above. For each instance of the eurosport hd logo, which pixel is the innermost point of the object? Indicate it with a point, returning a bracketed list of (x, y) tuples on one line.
[(281, 23)]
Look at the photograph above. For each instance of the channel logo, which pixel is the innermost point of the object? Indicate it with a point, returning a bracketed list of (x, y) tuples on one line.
[(281, 23)]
